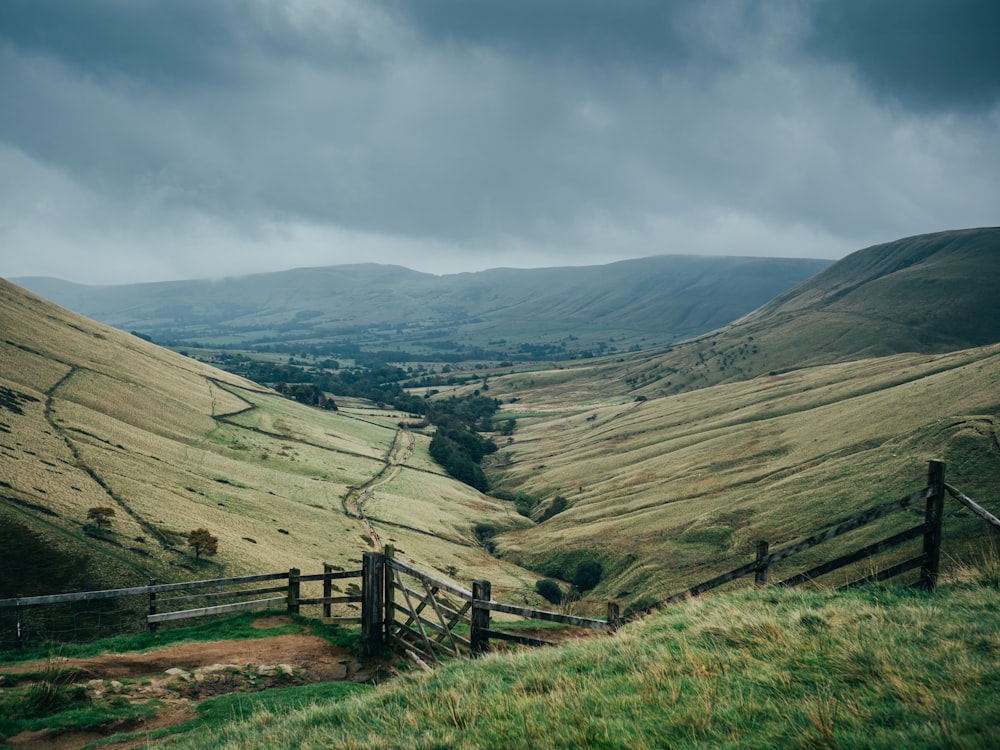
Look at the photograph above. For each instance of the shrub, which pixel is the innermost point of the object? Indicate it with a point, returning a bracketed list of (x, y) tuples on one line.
[(550, 590), (588, 575), (101, 516), (558, 505)]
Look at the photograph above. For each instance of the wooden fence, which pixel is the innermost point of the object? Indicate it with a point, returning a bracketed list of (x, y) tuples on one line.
[(429, 618), (237, 594), (928, 560)]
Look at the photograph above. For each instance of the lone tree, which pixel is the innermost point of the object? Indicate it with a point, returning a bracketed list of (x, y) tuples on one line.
[(203, 543), (101, 516)]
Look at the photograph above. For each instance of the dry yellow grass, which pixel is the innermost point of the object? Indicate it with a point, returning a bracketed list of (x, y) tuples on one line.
[(657, 487), (173, 445)]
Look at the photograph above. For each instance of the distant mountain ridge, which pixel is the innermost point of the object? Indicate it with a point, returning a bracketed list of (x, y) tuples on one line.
[(936, 291), (930, 293), (659, 299)]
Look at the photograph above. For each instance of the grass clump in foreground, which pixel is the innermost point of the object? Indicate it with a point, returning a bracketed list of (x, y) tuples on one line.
[(877, 667)]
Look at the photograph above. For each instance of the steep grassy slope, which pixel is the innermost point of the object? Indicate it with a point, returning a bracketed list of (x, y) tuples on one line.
[(656, 488), (638, 301), (90, 417), (930, 293)]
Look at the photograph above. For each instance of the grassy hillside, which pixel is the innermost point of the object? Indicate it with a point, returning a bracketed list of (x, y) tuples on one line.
[(877, 668), (765, 429), (930, 293), (656, 488), (625, 304), (93, 417)]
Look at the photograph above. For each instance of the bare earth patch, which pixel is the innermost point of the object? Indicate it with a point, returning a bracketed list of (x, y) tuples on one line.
[(179, 676)]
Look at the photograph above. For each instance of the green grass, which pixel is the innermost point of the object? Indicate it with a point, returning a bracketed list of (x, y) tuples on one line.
[(878, 667), (215, 714), (52, 699)]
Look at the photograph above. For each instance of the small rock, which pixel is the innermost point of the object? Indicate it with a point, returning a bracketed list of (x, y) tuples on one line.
[(178, 672), (219, 668)]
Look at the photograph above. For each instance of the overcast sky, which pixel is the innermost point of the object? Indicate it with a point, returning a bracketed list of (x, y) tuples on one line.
[(159, 139)]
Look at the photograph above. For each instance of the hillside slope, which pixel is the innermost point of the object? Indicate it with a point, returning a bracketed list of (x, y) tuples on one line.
[(93, 417), (930, 293), (667, 492), (877, 668), (643, 301), (767, 428)]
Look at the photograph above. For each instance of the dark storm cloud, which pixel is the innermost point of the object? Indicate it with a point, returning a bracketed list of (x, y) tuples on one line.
[(175, 43), (588, 31), (187, 137), (923, 54)]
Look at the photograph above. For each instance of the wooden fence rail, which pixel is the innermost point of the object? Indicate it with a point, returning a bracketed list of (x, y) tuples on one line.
[(429, 618), (929, 559), (236, 589)]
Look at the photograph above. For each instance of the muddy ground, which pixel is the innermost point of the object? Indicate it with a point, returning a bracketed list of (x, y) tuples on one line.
[(182, 675)]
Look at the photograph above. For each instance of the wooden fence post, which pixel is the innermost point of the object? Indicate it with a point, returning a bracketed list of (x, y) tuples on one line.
[(389, 585), (294, 591), (932, 526), (481, 592), (152, 607), (760, 577), (614, 616), (18, 626), (327, 590), (372, 584)]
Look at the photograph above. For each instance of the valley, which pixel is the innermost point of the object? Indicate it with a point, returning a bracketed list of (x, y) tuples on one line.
[(661, 466)]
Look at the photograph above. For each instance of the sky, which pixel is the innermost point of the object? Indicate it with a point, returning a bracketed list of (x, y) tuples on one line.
[(146, 140)]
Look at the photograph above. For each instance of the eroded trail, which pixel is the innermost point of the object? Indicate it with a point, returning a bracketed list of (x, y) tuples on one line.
[(399, 453), (176, 678)]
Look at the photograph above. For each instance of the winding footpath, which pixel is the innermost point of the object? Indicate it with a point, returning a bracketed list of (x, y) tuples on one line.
[(399, 452)]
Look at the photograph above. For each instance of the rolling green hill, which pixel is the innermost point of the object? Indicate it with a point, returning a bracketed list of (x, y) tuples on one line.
[(625, 304), (768, 428), (931, 293), (93, 417), (670, 464)]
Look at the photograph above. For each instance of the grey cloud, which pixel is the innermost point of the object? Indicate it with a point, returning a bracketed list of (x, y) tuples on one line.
[(922, 54), (479, 132)]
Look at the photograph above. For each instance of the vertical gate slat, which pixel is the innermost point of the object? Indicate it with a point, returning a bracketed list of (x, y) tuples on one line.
[(423, 634)]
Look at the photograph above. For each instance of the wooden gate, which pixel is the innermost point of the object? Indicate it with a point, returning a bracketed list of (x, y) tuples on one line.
[(426, 617)]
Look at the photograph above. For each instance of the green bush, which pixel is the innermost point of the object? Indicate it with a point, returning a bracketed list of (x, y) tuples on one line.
[(588, 575), (550, 590)]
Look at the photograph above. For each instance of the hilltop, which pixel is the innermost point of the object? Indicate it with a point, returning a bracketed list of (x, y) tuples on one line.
[(931, 293), (559, 311)]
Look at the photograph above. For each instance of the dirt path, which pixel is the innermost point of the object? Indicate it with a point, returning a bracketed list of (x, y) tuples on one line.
[(399, 452), (180, 676)]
